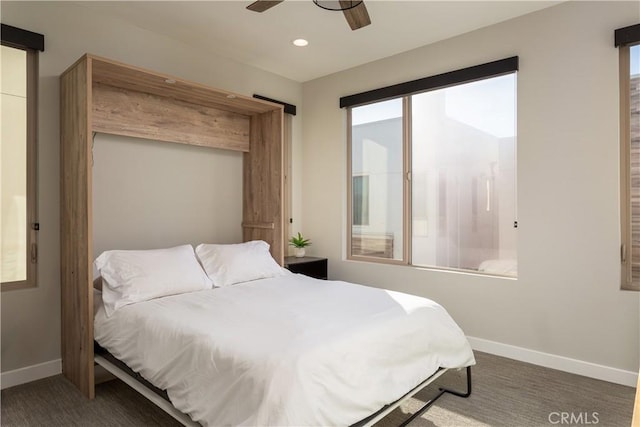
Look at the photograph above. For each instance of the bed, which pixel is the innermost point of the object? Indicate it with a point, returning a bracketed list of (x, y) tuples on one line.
[(99, 95), (283, 350)]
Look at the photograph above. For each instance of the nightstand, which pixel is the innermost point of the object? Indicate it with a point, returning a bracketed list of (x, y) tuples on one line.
[(307, 265)]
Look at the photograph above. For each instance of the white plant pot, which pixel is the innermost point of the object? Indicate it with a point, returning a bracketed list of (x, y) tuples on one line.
[(299, 252)]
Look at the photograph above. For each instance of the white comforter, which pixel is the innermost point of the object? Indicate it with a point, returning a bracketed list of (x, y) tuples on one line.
[(290, 350)]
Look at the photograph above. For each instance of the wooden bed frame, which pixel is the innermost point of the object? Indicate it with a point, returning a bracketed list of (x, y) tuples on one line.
[(101, 95)]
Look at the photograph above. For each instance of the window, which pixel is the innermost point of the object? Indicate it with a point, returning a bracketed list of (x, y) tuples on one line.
[(440, 168), (18, 157), (628, 41)]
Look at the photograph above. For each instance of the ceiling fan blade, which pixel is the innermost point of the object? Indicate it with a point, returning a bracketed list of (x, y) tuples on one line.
[(262, 5), (357, 17)]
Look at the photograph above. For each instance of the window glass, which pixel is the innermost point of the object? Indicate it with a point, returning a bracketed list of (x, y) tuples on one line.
[(13, 163), (377, 153), (464, 175)]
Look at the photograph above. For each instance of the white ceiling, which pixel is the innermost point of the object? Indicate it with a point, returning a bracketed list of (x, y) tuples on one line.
[(263, 40)]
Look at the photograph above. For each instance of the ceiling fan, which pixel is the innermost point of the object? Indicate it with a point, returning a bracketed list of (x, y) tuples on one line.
[(354, 11)]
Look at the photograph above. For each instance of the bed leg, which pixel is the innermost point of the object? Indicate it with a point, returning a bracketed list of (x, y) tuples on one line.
[(441, 391), (458, 393)]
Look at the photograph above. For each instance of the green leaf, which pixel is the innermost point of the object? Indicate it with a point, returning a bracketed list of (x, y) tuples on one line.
[(299, 241)]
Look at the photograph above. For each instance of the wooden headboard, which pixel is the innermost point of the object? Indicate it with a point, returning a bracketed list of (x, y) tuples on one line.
[(101, 95)]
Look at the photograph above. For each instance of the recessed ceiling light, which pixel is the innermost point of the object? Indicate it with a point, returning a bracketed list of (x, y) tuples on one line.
[(231, 96), (300, 42), (170, 81)]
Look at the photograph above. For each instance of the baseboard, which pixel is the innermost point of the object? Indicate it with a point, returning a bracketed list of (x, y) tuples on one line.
[(561, 363), (30, 373)]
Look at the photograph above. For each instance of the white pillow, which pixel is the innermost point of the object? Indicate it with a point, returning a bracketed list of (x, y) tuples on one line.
[(134, 276), (235, 263)]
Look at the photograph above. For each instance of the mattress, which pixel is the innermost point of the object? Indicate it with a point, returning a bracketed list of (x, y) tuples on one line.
[(290, 350)]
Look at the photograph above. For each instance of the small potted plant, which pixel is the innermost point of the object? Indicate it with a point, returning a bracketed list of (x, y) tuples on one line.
[(299, 243)]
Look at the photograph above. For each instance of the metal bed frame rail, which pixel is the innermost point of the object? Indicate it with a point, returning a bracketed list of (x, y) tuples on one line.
[(441, 391)]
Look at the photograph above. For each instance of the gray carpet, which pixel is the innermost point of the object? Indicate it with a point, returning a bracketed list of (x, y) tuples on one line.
[(505, 393)]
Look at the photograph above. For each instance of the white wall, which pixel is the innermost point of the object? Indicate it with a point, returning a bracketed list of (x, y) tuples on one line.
[(153, 194), (566, 300), (31, 318)]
